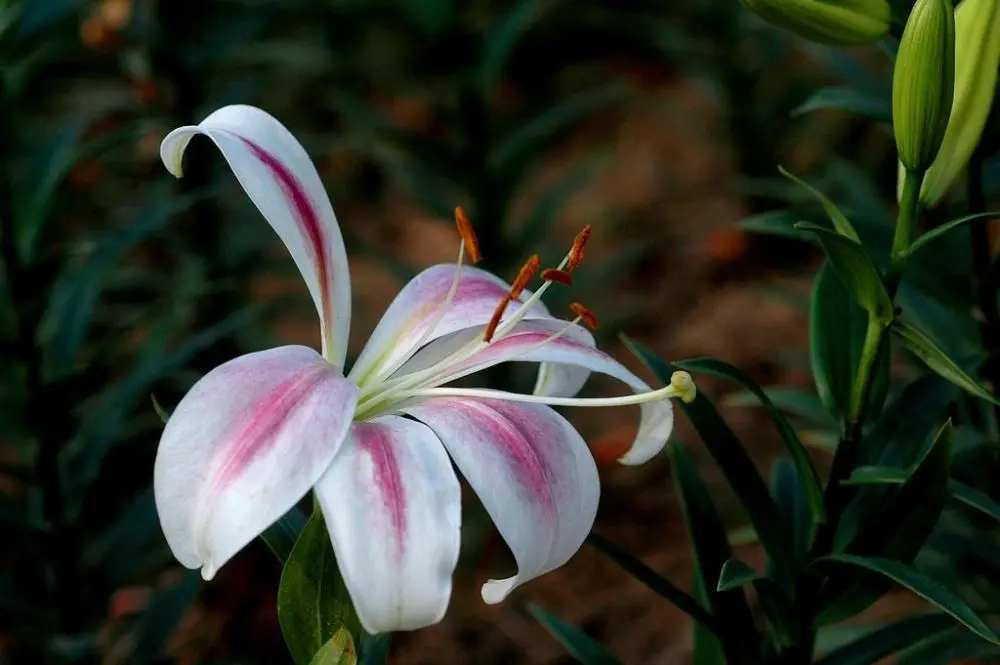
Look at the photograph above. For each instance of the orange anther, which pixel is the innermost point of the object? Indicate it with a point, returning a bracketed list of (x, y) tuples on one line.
[(524, 276), (585, 315), (557, 276), (468, 235), (495, 320), (576, 252)]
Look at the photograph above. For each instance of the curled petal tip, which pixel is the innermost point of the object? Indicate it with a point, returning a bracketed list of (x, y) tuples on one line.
[(208, 571), (496, 591)]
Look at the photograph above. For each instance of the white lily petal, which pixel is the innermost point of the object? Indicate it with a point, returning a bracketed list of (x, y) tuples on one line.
[(533, 342), (243, 446), (532, 471), (405, 324), (278, 176), (392, 503)]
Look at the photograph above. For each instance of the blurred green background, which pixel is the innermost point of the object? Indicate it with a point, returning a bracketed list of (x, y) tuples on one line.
[(659, 122)]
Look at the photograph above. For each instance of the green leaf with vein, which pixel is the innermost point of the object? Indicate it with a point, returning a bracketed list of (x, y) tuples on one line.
[(938, 361), (313, 602), (856, 270), (939, 231), (656, 582), (839, 219), (885, 475), (580, 645), (850, 100), (887, 640), (339, 650), (803, 464), (921, 585)]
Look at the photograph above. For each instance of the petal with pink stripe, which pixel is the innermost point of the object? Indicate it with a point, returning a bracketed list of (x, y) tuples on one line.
[(532, 471), (407, 322), (392, 504), (278, 176), (534, 341), (244, 445)]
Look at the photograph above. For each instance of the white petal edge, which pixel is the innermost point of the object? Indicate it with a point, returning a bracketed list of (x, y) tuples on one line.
[(392, 504), (532, 471), (278, 176), (243, 446)]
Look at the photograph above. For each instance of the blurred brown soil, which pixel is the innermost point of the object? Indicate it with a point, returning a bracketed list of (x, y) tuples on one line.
[(697, 291)]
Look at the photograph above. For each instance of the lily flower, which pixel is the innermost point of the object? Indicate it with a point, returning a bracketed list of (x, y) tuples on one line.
[(378, 446)]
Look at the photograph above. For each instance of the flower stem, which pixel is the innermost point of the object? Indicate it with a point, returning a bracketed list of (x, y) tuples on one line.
[(909, 209)]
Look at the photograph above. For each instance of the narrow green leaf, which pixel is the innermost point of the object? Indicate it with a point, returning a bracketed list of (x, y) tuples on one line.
[(806, 405), (502, 38), (339, 650), (313, 602), (790, 498), (803, 464), (739, 470), (921, 585), (834, 321), (887, 640), (161, 413), (896, 528), (948, 648), (856, 270), (281, 536), (711, 551), (735, 573), (706, 646), (777, 223), (884, 475), (579, 644), (935, 233), (838, 218), (847, 99), (656, 582), (928, 351)]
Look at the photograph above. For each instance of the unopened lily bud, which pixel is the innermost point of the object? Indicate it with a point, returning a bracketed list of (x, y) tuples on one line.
[(977, 56), (834, 22), (923, 83)]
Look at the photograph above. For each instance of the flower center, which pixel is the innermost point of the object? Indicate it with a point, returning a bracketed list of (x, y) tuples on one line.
[(384, 390)]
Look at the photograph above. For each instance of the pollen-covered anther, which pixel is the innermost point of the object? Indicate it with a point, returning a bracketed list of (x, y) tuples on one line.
[(684, 385), (557, 276), (495, 320), (585, 315), (468, 235), (524, 276), (576, 251)]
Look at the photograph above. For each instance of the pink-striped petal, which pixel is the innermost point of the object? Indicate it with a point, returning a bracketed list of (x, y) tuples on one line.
[(278, 176), (533, 342), (406, 323), (243, 446), (392, 504), (532, 471)]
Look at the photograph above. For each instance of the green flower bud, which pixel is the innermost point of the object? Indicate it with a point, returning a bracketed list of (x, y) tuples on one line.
[(977, 56), (923, 83), (834, 22)]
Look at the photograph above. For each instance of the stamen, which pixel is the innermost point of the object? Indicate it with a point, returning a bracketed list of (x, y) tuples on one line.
[(486, 393), (467, 234), (684, 385), (585, 315), (524, 276), (576, 252), (557, 276), (495, 321)]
